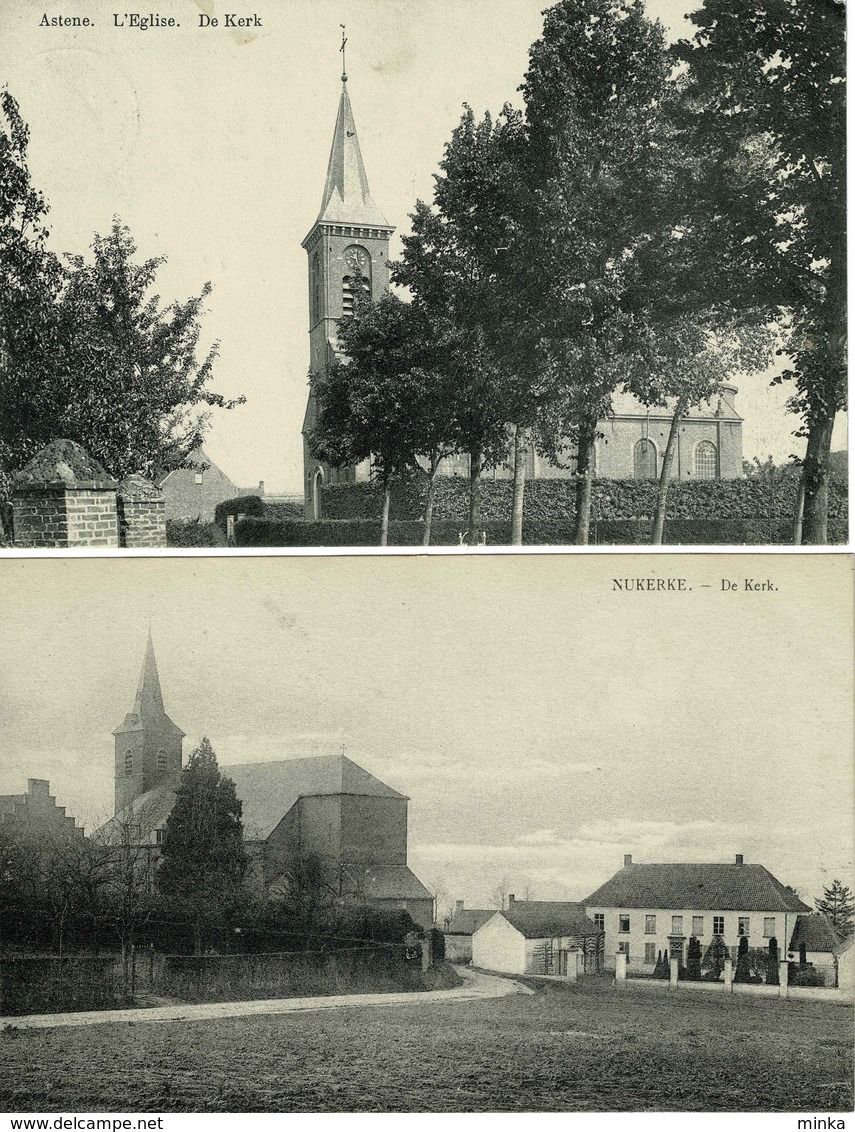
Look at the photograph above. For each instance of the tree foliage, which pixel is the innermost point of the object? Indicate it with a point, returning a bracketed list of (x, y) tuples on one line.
[(765, 113), (88, 350), (203, 855), (838, 905)]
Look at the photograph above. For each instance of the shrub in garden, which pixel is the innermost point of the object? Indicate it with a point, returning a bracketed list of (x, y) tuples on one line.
[(743, 964), (693, 960), (716, 953), (772, 964), (662, 970)]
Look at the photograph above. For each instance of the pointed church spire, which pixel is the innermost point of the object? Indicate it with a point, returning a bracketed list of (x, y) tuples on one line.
[(149, 702), (347, 197)]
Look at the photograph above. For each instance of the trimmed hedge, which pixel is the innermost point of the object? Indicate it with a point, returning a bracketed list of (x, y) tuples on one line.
[(555, 532), (242, 505), (192, 533), (766, 508)]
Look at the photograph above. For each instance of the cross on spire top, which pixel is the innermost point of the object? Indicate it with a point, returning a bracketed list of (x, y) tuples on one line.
[(343, 54)]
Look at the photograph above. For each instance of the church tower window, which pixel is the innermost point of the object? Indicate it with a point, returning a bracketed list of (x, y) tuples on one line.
[(162, 762), (129, 763)]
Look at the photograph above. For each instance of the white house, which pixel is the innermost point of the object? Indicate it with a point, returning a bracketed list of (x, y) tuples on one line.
[(538, 937), (646, 909), (459, 929)]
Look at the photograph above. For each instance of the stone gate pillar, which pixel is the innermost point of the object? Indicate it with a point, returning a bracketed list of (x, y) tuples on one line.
[(64, 498), (142, 513)]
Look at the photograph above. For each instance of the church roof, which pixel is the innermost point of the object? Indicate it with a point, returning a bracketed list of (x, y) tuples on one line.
[(148, 709), (392, 882), (722, 888), (347, 198), (267, 790)]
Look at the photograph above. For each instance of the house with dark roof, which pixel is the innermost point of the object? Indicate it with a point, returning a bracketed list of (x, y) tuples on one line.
[(539, 937), (459, 928), (646, 909), (327, 809), (193, 492)]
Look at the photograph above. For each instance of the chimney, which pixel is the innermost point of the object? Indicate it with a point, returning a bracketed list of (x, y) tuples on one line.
[(510, 899), (627, 859), (458, 907), (261, 487), (739, 859)]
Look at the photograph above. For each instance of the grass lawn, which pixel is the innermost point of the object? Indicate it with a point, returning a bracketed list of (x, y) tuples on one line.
[(591, 1047)]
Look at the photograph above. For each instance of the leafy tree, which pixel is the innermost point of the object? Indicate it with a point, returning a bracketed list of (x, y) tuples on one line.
[(451, 264), (203, 856), (392, 402), (87, 351), (838, 905), (594, 91), (765, 112)]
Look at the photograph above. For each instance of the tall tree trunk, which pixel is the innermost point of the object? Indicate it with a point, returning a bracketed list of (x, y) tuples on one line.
[(520, 452), (584, 482), (815, 481), (474, 496), (431, 495), (665, 473), (384, 521), (799, 513)]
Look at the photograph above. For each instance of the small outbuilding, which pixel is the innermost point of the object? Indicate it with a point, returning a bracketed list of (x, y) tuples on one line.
[(459, 928), (539, 937)]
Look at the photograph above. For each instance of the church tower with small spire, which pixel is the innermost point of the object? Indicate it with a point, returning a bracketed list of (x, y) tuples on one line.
[(148, 743), (348, 250)]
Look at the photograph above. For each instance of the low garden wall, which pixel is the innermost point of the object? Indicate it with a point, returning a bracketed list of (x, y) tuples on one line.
[(42, 984), (224, 978)]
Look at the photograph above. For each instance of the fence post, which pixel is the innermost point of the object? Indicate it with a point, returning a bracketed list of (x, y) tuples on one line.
[(133, 970), (728, 976), (673, 972), (620, 967), (230, 530), (783, 979)]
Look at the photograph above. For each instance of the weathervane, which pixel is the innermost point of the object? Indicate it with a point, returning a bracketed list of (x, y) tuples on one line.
[(343, 56)]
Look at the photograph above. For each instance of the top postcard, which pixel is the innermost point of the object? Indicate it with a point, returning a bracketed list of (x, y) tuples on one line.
[(392, 274)]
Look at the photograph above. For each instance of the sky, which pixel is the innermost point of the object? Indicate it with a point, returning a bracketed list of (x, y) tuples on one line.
[(541, 722), (211, 144)]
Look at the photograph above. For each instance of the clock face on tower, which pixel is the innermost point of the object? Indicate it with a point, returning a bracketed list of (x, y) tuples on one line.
[(356, 259)]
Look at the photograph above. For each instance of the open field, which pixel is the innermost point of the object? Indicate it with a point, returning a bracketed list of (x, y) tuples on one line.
[(592, 1047)]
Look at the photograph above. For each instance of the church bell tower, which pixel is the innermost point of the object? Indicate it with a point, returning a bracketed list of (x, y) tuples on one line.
[(348, 249), (148, 743)]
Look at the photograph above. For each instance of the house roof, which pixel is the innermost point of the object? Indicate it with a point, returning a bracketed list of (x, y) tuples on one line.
[(540, 919), (468, 920), (267, 790), (816, 933), (710, 887), (347, 198)]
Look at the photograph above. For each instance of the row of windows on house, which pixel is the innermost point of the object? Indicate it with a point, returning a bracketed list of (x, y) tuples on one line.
[(162, 763), (743, 926)]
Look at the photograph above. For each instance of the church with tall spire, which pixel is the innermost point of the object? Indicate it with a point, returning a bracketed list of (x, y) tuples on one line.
[(327, 809), (348, 251), (148, 743)]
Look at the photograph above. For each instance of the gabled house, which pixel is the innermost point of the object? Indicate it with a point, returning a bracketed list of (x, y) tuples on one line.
[(459, 928), (193, 492), (646, 909), (539, 937)]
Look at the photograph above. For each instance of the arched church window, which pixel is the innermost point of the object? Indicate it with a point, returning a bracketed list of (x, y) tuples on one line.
[(162, 762), (706, 460), (129, 763), (644, 460)]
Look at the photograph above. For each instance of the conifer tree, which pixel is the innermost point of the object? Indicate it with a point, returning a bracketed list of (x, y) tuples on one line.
[(838, 905), (203, 856)]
